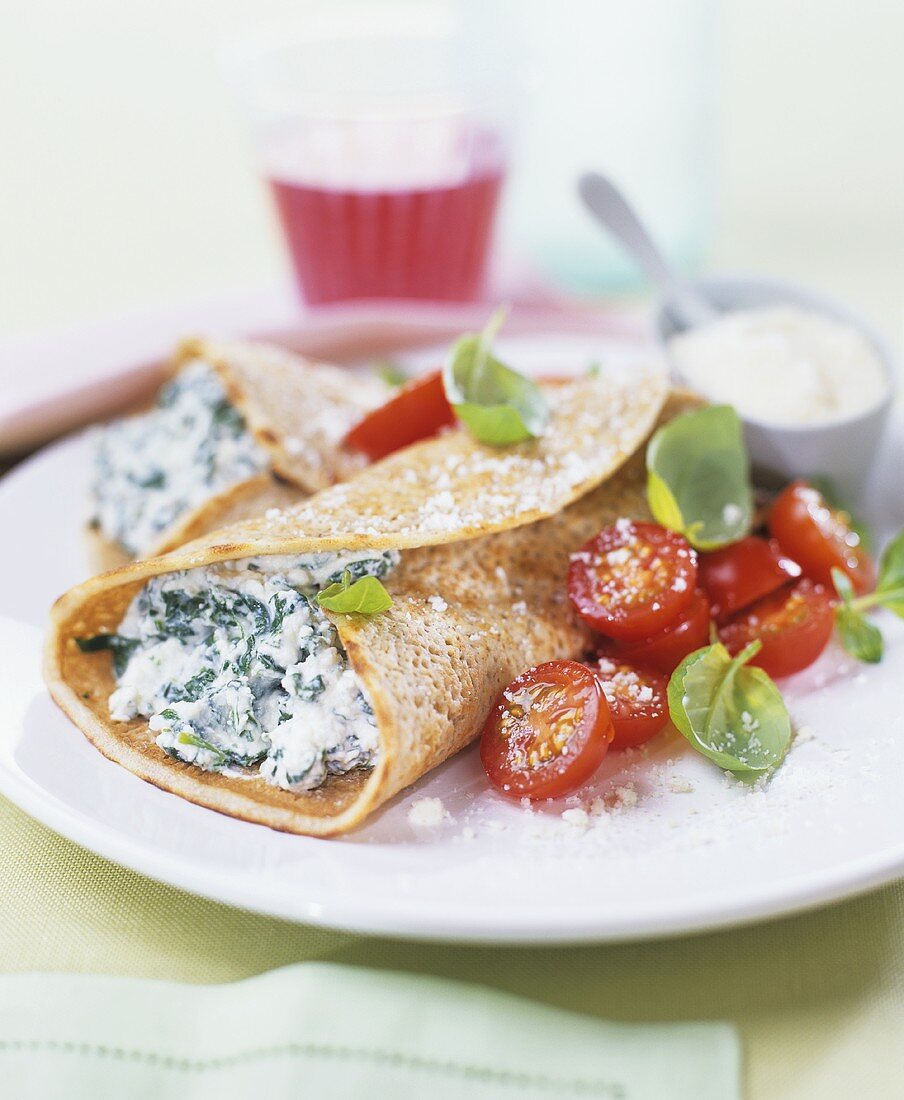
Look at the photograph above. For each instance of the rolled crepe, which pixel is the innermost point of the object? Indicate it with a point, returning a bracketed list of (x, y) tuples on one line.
[(469, 613), (296, 410)]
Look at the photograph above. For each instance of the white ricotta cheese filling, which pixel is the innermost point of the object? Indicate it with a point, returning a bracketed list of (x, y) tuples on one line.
[(236, 666), (150, 469)]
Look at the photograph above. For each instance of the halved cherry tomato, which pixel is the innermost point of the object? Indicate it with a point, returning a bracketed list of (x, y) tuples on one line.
[(665, 651), (739, 575), (416, 411), (632, 579), (819, 537), (794, 625), (547, 732), (638, 701)]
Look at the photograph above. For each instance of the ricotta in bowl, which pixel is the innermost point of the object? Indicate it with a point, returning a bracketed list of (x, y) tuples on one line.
[(782, 365)]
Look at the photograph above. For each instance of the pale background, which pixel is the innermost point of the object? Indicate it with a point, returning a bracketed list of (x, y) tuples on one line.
[(125, 181)]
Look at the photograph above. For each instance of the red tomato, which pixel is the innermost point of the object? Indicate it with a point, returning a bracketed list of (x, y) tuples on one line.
[(632, 579), (819, 537), (547, 732), (638, 701), (665, 651), (738, 575), (416, 411), (794, 625)]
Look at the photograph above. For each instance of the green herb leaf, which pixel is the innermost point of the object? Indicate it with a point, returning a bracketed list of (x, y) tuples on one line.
[(861, 638), (391, 373), (843, 585), (366, 596), (729, 711), (498, 405), (698, 477), (890, 587), (121, 648), (200, 743)]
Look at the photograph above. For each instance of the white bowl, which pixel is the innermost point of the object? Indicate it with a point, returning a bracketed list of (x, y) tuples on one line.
[(840, 451)]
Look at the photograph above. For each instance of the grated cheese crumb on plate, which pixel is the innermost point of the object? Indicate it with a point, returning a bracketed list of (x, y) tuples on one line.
[(680, 785), (577, 817), (427, 812), (626, 796)]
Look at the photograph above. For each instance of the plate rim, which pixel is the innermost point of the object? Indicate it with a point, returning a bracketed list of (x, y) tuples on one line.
[(811, 891)]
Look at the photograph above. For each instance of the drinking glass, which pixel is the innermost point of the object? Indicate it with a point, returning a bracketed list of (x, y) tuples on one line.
[(384, 141)]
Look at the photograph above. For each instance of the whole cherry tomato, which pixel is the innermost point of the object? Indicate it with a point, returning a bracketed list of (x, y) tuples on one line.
[(820, 537)]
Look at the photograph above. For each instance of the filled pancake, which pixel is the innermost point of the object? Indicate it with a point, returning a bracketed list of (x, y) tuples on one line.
[(224, 680)]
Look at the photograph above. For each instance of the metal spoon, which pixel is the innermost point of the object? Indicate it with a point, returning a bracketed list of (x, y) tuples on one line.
[(613, 211)]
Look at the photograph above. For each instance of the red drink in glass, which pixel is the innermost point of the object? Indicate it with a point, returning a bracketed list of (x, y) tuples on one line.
[(424, 240), (384, 146)]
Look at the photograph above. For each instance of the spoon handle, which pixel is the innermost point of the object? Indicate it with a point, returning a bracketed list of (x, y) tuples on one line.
[(609, 206)]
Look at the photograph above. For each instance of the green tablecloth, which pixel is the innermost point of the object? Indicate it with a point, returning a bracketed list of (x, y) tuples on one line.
[(819, 998)]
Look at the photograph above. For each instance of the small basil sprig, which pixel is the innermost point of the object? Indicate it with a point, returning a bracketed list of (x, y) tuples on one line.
[(498, 405), (698, 477), (861, 638), (366, 596), (730, 711)]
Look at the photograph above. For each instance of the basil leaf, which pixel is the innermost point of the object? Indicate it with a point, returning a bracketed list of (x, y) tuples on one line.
[(390, 373), (861, 638), (698, 477), (890, 587), (731, 712), (498, 405), (366, 596)]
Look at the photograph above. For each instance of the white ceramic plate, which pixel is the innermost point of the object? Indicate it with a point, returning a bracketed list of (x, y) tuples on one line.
[(669, 845)]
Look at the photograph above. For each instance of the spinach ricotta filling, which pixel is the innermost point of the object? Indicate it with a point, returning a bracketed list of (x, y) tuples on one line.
[(150, 469), (235, 666)]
